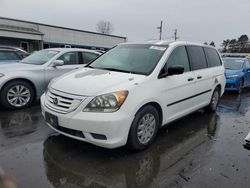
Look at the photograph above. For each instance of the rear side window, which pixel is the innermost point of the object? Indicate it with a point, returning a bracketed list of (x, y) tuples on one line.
[(179, 57), (213, 58), (197, 57), (88, 57)]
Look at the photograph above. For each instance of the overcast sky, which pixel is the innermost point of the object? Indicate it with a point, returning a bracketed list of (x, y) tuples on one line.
[(196, 20)]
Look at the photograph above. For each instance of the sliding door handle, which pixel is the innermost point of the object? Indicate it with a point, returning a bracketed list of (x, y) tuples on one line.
[(190, 79), (199, 77)]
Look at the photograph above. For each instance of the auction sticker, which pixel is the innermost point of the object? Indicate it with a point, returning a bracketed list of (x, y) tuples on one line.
[(158, 48)]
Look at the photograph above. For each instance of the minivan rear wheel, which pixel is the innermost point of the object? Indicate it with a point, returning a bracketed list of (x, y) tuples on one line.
[(144, 128), (214, 101)]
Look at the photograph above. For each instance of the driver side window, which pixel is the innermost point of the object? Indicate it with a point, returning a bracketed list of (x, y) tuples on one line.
[(179, 57), (69, 58)]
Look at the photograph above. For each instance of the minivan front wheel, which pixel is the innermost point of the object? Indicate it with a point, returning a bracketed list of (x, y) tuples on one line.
[(17, 95), (214, 101), (144, 128)]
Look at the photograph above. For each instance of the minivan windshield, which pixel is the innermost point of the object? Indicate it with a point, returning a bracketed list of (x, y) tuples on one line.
[(233, 64), (131, 58), (40, 57)]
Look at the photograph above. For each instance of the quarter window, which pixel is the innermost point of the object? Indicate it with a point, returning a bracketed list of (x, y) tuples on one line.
[(197, 57), (179, 57), (69, 58), (88, 57), (213, 58)]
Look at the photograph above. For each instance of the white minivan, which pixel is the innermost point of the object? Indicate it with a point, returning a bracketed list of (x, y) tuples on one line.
[(128, 93)]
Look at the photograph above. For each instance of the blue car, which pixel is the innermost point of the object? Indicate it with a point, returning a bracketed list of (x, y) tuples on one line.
[(237, 73)]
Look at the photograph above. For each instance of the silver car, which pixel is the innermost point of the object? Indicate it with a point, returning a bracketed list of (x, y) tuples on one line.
[(24, 82)]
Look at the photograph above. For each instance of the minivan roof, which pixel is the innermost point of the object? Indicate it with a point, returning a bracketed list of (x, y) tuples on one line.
[(169, 43)]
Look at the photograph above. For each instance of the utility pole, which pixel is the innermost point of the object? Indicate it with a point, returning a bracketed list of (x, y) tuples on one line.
[(175, 35), (160, 28)]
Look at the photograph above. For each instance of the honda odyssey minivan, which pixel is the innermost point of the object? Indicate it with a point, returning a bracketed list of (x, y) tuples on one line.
[(128, 93)]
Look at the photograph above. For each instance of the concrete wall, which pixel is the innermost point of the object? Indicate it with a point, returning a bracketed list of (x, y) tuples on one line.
[(53, 34), (59, 35)]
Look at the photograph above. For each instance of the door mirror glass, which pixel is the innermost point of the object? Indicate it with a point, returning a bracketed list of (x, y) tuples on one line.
[(175, 70), (57, 63)]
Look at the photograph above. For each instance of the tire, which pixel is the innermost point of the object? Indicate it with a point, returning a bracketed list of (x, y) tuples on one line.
[(21, 91), (141, 123), (241, 86), (214, 101)]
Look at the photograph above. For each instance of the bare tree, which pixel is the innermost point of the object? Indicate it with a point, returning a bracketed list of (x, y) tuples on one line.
[(104, 27), (212, 44)]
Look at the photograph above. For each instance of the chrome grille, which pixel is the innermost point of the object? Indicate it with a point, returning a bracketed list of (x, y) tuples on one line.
[(62, 102)]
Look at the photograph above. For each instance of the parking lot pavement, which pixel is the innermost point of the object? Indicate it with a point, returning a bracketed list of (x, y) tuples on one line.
[(200, 150)]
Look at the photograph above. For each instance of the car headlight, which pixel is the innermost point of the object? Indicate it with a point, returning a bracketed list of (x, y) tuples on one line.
[(110, 102), (1, 75), (232, 76)]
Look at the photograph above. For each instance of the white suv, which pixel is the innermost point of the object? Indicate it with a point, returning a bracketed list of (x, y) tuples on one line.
[(127, 94)]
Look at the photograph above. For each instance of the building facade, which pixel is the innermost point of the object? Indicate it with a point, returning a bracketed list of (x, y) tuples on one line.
[(33, 36)]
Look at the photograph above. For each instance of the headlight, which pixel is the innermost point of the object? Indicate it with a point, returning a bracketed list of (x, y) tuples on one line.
[(110, 102), (232, 76), (1, 75)]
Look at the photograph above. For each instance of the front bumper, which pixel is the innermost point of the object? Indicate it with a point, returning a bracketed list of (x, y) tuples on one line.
[(232, 84), (114, 126)]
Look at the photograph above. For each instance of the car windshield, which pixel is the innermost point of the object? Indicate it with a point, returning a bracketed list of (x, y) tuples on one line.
[(131, 58), (40, 57), (233, 64)]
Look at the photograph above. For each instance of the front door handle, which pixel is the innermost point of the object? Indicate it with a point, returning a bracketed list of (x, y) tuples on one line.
[(190, 79), (199, 77)]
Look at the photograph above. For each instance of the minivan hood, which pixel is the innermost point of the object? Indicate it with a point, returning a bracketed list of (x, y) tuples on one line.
[(91, 82), (16, 67)]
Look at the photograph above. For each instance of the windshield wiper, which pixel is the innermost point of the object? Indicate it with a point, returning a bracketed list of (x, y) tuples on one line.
[(89, 66), (118, 70)]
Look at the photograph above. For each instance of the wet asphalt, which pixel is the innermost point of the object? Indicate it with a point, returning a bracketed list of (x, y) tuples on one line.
[(200, 150)]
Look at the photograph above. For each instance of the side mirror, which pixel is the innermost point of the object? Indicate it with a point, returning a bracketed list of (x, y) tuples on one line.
[(175, 70), (172, 70), (57, 63)]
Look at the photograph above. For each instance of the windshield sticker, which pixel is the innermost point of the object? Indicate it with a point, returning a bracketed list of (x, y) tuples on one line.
[(158, 48)]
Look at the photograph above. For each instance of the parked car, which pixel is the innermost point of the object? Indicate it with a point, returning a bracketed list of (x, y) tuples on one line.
[(125, 95), (9, 56), (21, 53), (22, 83), (237, 73)]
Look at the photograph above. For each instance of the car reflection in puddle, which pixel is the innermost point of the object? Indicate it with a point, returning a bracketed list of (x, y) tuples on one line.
[(70, 163), (231, 102), (18, 123)]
